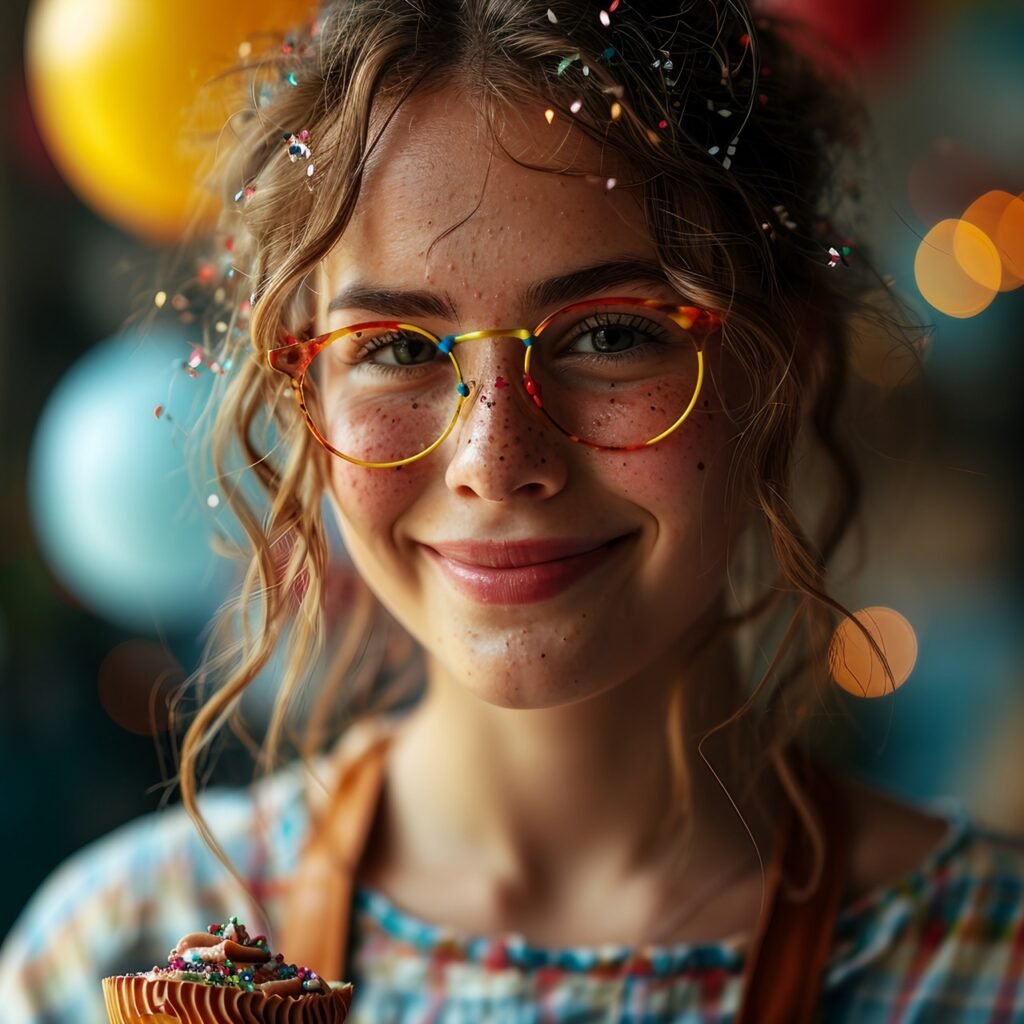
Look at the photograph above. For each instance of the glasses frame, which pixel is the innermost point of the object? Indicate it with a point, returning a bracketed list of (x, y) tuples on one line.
[(294, 358)]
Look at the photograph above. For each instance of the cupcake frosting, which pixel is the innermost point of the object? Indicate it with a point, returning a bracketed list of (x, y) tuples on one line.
[(225, 955), (225, 976)]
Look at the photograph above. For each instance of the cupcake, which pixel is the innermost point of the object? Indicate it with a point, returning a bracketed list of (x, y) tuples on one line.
[(223, 976)]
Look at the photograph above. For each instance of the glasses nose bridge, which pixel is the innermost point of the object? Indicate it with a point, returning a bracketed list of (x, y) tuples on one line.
[(449, 341)]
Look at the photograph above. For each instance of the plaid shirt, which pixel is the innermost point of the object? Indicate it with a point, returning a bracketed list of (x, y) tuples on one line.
[(944, 945)]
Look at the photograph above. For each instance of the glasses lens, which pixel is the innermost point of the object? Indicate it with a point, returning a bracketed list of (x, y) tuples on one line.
[(615, 375), (382, 394)]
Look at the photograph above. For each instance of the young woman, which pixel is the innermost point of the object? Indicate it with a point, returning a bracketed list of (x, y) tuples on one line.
[(544, 301)]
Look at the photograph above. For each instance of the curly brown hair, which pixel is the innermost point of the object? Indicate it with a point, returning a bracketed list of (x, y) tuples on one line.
[(742, 207)]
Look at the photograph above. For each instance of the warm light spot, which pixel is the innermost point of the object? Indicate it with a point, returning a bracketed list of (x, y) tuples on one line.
[(549, 114), (879, 353), (1009, 239), (957, 268), (135, 680), (857, 668), (1000, 216)]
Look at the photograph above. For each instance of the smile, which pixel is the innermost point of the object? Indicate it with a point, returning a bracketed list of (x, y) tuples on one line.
[(520, 572)]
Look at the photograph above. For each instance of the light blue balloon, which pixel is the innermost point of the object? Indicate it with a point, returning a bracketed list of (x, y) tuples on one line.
[(115, 511)]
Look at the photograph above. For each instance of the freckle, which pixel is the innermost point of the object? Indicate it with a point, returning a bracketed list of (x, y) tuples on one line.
[(542, 654), (501, 458), (700, 465), (543, 460), (705, 403)]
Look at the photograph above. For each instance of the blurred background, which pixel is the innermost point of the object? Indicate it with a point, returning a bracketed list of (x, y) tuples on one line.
[(106, 579)]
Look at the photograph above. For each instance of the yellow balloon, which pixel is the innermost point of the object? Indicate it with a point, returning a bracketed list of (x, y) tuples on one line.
[(114, 86)]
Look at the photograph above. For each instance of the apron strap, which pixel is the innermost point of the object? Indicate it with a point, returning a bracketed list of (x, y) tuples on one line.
[(319, 898), (785, 961), (790, 950)]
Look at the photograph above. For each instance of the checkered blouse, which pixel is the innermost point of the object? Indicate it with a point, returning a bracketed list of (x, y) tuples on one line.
[(943, 945)]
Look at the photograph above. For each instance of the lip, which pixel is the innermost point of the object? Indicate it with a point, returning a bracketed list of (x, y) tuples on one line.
[(520, 572)]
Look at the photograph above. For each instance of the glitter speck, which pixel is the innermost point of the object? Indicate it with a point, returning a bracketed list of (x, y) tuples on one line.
[(576, 105), (550, 115), (159, 299), (551, 17), (244, 50), (213, 501), (605, 20)]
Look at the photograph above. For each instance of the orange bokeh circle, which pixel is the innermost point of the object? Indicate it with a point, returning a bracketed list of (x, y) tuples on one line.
[(1000, 216), (957, 268), (857, 668)]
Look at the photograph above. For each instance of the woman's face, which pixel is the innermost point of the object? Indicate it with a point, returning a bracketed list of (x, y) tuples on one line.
[(523, 637)]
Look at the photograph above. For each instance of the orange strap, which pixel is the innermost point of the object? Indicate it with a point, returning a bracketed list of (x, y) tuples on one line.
[(785, 962), (319, 900)]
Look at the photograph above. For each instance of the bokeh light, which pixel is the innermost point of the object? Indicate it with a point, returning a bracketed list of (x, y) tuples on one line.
[(857, 668), (1009, 239), (1000, 217), (957, 268), (135, 681)]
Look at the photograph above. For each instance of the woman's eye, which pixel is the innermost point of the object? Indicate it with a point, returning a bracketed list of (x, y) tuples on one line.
[(403, 352), (608, 338)]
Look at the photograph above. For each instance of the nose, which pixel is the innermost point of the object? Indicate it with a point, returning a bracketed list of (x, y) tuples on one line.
[(502, 446)]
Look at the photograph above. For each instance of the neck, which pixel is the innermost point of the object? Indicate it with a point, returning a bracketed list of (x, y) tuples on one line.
[(537, 799)]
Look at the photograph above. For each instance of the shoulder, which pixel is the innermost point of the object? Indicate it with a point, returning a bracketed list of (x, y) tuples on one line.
[(122, 901), (893, 839), (936, 918)]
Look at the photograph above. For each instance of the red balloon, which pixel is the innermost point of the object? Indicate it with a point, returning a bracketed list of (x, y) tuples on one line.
[(863, 30)]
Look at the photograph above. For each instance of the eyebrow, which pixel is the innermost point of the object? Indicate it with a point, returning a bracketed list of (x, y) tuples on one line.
[(552, 291)]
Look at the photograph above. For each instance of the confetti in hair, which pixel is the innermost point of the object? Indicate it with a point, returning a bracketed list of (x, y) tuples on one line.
[(564, 63), (837, 256), (784, 218), (296, 146)]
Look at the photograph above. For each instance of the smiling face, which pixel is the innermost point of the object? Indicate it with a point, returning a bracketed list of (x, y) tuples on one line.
[(526, 637)]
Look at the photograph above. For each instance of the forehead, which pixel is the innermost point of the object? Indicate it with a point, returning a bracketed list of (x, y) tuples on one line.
[(436, 172)]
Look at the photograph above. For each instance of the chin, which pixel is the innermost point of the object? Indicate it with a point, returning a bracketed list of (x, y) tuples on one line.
[(527, 681)]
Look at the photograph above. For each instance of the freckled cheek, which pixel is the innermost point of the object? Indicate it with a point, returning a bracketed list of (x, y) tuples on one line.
[(372, 499), (674, 468)]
